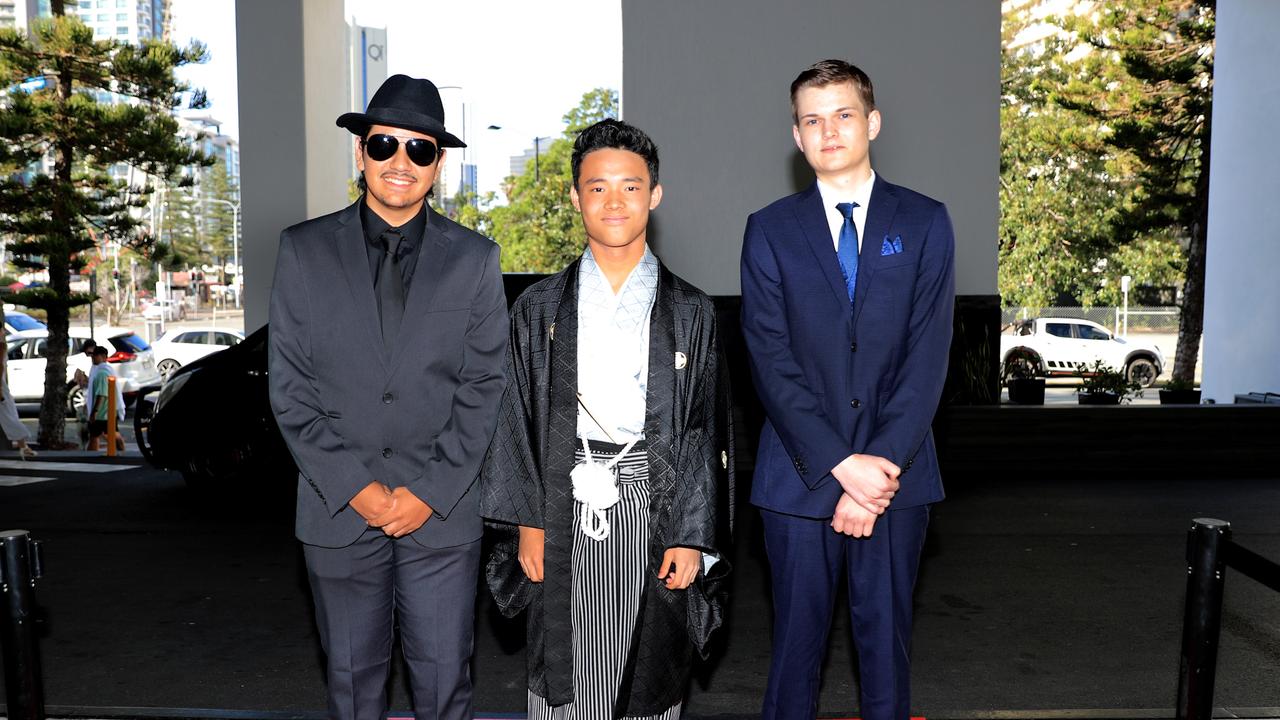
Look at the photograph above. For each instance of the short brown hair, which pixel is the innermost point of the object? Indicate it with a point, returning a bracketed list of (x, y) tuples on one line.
[(831, 72)]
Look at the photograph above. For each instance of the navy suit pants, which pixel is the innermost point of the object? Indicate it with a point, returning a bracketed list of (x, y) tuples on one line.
[(362, 590), (806, 557)]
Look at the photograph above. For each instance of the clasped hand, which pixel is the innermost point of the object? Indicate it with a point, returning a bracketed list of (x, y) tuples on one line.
[(868, 480), (397, 512)]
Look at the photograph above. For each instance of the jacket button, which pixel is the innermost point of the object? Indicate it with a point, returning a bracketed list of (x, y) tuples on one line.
[(855, 403), (388, 398), (853, 347), (386, 452)]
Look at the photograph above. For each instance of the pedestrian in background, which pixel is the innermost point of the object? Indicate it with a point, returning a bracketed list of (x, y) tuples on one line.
[(10, 423)]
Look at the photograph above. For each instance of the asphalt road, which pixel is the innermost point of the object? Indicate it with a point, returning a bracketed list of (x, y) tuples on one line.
[(1034, 596)]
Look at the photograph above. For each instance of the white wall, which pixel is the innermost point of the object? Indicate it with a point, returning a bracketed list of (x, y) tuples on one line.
[(710, 80), (1242, 267)]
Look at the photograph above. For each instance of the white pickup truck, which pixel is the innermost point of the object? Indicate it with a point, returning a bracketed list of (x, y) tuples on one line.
[(1059, 346)]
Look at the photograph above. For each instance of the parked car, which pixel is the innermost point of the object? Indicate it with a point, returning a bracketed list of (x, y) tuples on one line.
[(184, 346), (166, 309), (130, 354), (212, 421), (16, 321), (1062, 346)]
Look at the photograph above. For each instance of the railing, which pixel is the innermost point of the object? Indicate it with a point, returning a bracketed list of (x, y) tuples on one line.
[(1138, 319), (20, 566), (1210, 551)]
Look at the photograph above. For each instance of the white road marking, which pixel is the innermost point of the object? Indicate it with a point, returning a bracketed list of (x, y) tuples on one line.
[(64, 466), (15, 480)]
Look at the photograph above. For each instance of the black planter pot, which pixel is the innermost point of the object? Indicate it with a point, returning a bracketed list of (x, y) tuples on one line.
[(1104, 398), (1026, 391), (1179, 397)]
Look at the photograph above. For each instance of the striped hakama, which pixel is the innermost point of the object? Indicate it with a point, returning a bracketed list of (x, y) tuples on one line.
[(608, 581)]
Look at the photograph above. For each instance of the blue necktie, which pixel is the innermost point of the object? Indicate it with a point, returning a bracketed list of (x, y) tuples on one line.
[(847, 250)]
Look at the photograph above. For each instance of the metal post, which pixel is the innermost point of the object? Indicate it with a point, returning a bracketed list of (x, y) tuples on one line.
[(19, 567), (1203, 619)]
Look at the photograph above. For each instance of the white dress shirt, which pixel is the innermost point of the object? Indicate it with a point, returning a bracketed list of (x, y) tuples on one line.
[(613, 349), (831, 197)]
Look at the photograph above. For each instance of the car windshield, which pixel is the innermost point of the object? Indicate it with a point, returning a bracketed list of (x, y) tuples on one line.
[(129, 343), (23, 322)]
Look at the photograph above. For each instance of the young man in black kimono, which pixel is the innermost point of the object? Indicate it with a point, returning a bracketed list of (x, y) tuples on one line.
[(609, 466)]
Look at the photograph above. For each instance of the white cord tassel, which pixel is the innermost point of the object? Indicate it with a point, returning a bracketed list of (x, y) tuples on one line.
[(596, 488)]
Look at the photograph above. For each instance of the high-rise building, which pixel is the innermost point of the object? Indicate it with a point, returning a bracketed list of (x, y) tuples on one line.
[(528, 161), (126, 20)]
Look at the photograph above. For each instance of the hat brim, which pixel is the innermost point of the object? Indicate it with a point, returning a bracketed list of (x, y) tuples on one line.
[(359, 124)]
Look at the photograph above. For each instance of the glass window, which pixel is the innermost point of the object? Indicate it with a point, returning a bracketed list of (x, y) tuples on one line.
[(122, 17), (122, 30), (129, 342), (122, 3), (1062, 330), (86, 4), (38, 347), (19, 321), (17, 350), (227, 339), (1088, 332), (194, 338), (103, 17)]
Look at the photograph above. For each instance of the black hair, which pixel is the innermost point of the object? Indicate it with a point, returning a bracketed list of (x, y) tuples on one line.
[(831, 72), (98, 350), (615, 134)]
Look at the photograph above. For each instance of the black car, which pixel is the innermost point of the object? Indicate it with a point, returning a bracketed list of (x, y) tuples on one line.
[(212, 420)]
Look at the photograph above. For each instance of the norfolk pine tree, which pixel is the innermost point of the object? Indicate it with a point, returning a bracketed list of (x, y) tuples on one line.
[(1156, 103), (49, 215)]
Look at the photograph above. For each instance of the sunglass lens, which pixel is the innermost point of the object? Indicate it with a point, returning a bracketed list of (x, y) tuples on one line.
[(381, 147), (421, 152)]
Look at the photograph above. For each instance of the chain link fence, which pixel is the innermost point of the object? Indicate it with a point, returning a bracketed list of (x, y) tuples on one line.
[(1141, 318)]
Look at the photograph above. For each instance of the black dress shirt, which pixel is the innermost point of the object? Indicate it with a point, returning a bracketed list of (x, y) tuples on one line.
[(410, 246)]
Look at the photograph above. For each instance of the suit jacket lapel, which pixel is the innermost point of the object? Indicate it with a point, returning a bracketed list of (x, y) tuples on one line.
[(426, 280), (813, 220), (355, 265), (883, 205)]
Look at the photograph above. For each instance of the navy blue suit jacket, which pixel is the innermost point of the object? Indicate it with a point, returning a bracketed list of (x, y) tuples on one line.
[(835, 382)]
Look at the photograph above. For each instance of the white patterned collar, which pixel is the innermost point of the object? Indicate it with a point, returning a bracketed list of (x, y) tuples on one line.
[(630, 306)]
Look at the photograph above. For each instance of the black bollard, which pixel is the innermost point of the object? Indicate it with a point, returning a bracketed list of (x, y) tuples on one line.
[(19, 567), (1203, 619)]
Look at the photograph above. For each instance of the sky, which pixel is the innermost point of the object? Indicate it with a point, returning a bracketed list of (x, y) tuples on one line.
[(520, 65)]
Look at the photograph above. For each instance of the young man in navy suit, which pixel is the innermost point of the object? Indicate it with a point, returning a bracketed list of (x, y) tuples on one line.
[(847, 296)]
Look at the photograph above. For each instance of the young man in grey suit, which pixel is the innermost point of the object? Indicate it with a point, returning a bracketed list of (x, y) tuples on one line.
[(388, 329)]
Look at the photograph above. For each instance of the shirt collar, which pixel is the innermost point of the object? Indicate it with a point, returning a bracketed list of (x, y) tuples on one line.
[(634, 299), (374, 226), (860, 195)]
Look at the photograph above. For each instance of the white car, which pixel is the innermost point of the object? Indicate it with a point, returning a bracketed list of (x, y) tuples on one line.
[(184, 346), (166, 309), (128, 353), (1061, 346)]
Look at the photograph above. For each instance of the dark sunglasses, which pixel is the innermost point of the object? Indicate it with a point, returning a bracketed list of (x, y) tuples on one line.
[(382, 146)]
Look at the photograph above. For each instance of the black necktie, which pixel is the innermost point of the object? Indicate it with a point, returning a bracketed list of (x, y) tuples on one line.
[(390, 287)]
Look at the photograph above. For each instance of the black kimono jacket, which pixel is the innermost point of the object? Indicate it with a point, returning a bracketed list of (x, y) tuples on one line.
[(525, 481)]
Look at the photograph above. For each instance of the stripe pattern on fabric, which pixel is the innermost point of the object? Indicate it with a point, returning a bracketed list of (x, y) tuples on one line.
[(608, 581)]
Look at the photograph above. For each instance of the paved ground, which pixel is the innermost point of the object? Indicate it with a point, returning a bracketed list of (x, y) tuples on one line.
[(1034, 596)]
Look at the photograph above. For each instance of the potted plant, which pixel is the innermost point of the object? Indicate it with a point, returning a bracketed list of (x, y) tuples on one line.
[(1179, 392), (1104, 385), (1023, 375)]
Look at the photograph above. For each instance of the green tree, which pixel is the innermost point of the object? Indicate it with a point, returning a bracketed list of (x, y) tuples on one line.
[(73, 125), (1063, 190), (538, 229), (1149, 85)]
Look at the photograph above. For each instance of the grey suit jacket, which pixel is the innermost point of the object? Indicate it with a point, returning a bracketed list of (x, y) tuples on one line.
[(420, 417)]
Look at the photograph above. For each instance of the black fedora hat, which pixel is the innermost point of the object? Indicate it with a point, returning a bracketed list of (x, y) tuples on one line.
[(404, 102)]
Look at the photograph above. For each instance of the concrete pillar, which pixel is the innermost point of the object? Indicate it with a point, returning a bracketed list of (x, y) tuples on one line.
[(1242, 267), (292, 70)]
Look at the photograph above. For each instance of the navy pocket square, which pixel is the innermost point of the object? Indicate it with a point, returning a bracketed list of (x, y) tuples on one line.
[(891, 246)]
